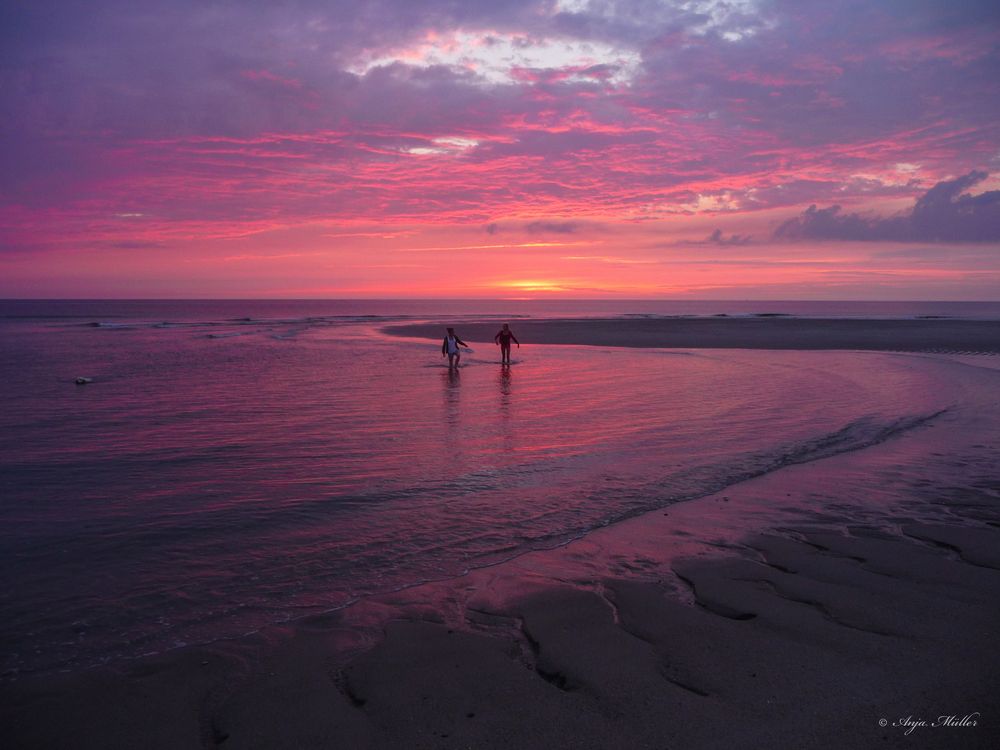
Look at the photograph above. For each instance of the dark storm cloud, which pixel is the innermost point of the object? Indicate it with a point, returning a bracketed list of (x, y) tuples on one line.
[(944, 213)]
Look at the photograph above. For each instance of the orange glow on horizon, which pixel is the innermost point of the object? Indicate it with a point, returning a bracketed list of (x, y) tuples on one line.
[(535, 285)]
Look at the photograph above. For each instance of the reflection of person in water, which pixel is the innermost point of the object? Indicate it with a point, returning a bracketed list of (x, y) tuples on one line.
[(503, 338), (450, 347)]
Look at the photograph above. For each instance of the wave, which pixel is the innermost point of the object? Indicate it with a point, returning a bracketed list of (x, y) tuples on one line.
[(859, 434), (392, 561), (546, 527), (691, 484)]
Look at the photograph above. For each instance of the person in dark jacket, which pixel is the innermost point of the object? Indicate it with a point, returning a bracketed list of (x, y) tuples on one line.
[(503, 338)]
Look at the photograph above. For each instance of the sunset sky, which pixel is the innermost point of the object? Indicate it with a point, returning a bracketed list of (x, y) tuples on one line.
[(783, 149)]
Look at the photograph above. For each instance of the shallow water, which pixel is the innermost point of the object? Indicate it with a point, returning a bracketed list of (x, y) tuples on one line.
[(224, 471)]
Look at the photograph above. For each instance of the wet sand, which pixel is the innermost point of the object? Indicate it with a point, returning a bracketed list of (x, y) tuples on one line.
[(799, 609), (737, 333), (800, 637)]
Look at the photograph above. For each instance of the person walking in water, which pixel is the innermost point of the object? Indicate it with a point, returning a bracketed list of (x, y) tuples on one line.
[(503, 338), (450, 347)]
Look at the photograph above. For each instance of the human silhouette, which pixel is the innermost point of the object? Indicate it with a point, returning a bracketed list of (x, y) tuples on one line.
[(450, 346), (503, 338)]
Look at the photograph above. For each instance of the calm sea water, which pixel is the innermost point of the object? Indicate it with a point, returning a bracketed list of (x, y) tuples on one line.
[(235, 464)]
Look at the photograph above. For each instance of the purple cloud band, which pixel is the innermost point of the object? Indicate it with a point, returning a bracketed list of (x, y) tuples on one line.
[(944, 213)]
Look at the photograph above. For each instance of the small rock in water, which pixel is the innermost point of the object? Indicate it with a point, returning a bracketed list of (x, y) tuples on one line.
[(84, 381)]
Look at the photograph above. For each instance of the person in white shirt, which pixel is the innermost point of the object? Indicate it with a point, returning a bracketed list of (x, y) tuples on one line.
[(450, 346)]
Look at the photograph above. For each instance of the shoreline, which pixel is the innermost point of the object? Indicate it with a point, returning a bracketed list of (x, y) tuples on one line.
[(799, 607), (940, 335)]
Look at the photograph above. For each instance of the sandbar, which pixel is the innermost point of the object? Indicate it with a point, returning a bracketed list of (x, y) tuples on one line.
[(937, 335)]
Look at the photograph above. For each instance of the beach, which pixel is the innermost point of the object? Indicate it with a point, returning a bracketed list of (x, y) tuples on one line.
[(838, 590), (792, 609)]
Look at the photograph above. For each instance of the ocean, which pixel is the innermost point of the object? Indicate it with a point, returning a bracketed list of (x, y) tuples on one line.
[(235, 464)]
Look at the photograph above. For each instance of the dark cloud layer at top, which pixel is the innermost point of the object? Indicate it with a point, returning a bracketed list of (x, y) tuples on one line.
[(943, 213)]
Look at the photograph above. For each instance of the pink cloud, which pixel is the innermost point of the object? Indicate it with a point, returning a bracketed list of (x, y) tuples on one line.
[(144, 132)]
